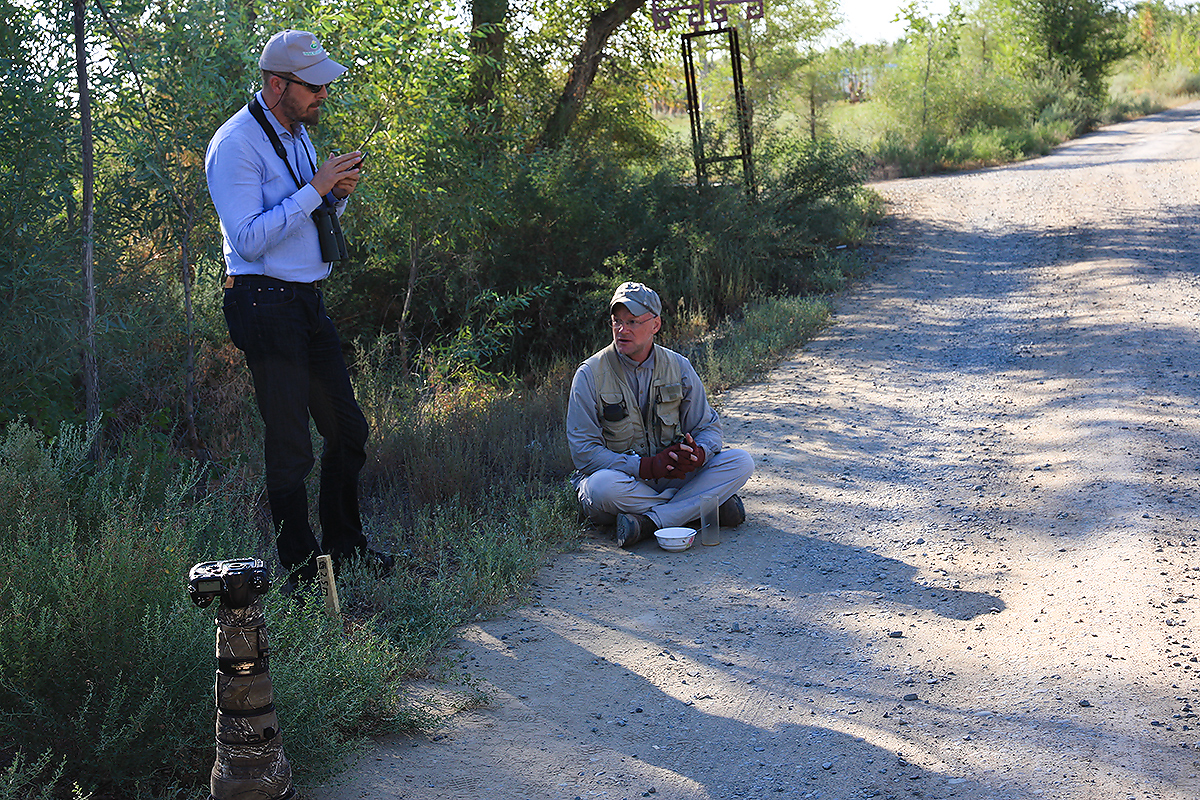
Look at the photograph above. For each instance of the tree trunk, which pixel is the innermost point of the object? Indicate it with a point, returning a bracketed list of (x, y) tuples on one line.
[(925, 86), (414, 251), (813, 107), (189, 397), (487, 46), (583, 69), (91, 371)]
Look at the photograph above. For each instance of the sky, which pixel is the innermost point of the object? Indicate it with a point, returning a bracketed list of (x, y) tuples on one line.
[(870, 21)]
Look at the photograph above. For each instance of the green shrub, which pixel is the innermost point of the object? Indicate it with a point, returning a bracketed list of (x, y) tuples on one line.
[(98, 643), (335, 686), (39, 779), (106, 665)]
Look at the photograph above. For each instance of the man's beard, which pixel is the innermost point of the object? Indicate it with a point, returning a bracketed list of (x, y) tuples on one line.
[(308, 113)]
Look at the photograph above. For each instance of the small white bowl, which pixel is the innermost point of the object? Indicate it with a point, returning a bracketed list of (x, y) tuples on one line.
[(675, 539)]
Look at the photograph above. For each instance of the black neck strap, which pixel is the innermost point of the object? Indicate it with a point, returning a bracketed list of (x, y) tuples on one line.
[(256, 110)]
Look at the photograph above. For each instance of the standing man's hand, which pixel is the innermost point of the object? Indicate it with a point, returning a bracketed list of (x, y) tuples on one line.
[(339, 174)]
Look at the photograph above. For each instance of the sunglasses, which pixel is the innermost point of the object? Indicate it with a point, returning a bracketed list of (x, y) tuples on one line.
[(312, 87)]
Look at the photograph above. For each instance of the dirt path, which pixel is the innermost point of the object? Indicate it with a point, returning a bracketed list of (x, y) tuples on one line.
[(971, 560)]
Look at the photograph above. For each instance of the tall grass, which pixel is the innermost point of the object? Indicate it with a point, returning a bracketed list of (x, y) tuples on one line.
[(106, 669), (740, 350), (105, 666)]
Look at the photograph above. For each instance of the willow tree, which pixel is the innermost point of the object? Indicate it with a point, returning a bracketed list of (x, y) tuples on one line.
[(584, 66), (1086, 37)]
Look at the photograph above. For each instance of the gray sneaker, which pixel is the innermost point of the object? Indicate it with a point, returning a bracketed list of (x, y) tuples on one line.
[(632, 528), (731, 513)]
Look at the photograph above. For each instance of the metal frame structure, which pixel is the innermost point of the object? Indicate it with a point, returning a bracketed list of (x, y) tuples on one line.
[(695, 110)]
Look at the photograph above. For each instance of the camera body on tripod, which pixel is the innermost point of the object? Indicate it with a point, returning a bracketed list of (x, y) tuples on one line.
[(237, 582), (250, 764)]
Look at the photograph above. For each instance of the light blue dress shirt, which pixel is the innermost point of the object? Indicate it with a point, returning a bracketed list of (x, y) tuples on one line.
[(265, 220)]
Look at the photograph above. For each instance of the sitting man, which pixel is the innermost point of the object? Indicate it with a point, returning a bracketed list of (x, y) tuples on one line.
[(644, 440)]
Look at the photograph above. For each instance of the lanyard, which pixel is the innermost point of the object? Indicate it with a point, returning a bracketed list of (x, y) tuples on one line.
[(257, 111)]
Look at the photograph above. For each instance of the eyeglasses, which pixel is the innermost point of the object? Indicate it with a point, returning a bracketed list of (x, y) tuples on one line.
[(312, 87), (630, 324)]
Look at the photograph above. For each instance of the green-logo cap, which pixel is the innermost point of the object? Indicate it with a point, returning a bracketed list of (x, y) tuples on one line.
[(299, 53)]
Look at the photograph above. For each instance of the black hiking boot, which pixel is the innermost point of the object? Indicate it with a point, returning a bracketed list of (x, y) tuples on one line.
[(731, 513), (633, 528)]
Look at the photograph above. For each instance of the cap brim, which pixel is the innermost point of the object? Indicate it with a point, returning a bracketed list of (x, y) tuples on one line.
[(321, 73), (634, 307)]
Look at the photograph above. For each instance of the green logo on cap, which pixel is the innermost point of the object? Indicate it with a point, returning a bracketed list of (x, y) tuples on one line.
[(314, 48)]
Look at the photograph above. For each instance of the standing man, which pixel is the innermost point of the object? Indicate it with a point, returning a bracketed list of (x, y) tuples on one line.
[(271, 200), (645, 442)]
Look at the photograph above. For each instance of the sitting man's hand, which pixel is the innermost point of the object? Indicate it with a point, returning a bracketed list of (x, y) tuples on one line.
[(675, 461), (689, 456), (660, 465)]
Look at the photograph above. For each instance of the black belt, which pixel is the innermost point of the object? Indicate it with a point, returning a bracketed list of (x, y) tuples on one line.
[(266, 280)]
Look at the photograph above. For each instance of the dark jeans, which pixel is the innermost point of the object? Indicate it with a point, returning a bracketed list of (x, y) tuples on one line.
[(295, 358)]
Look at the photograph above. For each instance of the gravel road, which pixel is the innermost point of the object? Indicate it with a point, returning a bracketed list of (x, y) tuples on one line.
[(970, 564)]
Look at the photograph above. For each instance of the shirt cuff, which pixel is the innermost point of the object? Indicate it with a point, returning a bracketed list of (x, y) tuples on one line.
[(307, 198)]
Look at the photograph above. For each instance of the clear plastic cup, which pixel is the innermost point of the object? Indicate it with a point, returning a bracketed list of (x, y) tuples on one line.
[(710, 527)]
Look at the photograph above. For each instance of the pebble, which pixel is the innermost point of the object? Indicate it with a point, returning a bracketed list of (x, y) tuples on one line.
[(911, 696)]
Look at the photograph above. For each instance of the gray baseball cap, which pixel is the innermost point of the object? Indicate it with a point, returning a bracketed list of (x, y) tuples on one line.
[(638, 298), (299, 53)]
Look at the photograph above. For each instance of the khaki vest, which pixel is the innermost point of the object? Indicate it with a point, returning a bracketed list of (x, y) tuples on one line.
[(629, 434)]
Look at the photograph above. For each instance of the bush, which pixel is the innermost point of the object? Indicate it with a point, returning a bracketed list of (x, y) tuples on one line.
[(105, 665)]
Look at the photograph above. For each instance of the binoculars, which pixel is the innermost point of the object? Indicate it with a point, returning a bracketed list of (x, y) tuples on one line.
[(329, 234)]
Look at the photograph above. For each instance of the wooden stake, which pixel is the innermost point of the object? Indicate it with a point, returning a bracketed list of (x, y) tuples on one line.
[(328, 585)]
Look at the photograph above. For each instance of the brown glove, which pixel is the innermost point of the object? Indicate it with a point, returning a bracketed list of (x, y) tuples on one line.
[(657, 466), (685, 464), (673, 462)]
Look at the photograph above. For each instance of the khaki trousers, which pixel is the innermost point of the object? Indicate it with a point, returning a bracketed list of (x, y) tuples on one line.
[(668, 502)]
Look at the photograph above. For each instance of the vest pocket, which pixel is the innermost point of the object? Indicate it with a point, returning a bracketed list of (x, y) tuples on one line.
[(669, 398), (620, 435)]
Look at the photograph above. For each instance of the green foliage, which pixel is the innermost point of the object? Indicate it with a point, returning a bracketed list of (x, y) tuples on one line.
[(105, 665), (334, 686), (931, 42), (1164, 63), (809, 172), (1086, 37), (540, 56), (38, 229), (987, 97), (35, 780), (97, 647), (491, 324)]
